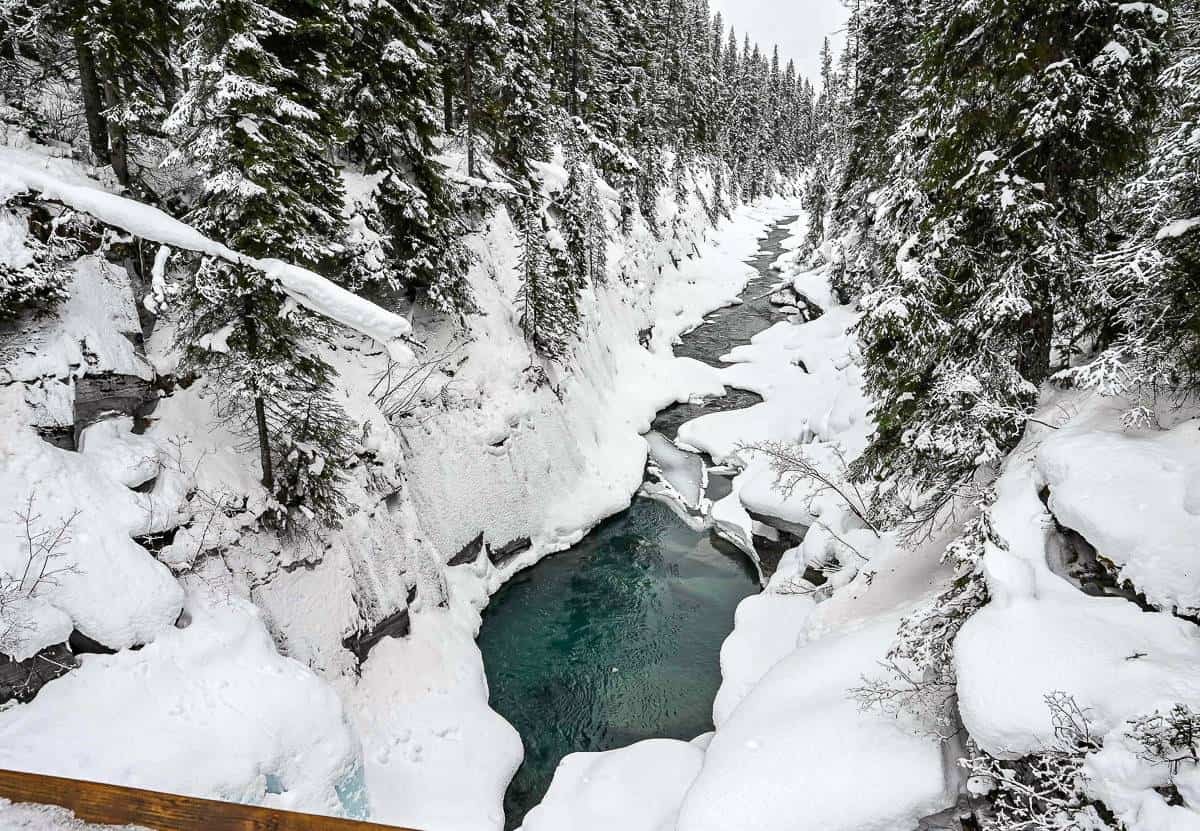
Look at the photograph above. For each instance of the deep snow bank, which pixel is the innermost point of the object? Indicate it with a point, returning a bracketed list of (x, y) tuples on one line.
[(1040, 634)]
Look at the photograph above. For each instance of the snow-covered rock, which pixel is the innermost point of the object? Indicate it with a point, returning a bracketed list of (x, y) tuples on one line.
[(1135, 496), (1041, 635), (84, 570)]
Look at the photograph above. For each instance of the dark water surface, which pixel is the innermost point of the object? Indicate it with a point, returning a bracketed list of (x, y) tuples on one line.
[(618, 638)]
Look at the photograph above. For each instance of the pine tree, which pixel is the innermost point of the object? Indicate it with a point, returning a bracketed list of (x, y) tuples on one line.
[(389, 96), (526, 110), (257, 123), (1024, 113), (35, 272), (127, 75), (583, 228), (1147, 289), (883, 44), (549, 295), (471, 55)]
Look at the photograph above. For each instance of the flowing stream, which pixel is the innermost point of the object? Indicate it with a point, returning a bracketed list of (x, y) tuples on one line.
[(618, 638)]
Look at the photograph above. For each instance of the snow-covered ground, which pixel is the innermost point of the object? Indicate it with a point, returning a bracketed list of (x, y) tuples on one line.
[(1129, 492), (243, 686), (221, 661)]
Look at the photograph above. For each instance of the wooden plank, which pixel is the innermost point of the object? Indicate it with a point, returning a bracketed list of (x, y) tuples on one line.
[(119, 805)]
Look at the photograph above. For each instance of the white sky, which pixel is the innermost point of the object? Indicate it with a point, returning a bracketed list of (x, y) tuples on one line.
[(798, 26)]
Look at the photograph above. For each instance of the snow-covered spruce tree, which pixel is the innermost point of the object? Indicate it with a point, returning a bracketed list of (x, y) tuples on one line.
[(389, 98), (817, 194), (1148, 288), (1025, 112), (472, 44), (651, 177), (127, 77), (526, 110), (582, 225), (257, 124), (35, 262), (883, 45), (548, 299)]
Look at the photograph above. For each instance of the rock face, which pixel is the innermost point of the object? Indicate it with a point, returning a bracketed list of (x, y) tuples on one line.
[(21, 680), (469, 553), (503, 553), (97, 395), (396, 625)]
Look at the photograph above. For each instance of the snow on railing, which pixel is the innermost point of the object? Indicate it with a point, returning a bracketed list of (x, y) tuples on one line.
[(306, 287)]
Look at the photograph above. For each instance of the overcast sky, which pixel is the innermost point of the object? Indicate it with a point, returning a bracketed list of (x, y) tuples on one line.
[(798, 26)]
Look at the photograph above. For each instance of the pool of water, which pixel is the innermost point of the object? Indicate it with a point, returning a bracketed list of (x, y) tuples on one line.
[(613, 641), (618, 639)]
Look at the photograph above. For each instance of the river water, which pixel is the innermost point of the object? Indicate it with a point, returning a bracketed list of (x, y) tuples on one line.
[(618, 638)]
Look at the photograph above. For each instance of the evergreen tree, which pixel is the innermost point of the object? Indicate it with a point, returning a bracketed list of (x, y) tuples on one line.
[(1024, 113), (1147, 289), (549, 295), (526, 110), (884, 41), (35, 273), (389, 97), (471, 56), (127, 75), (583, 228), (257, 123)]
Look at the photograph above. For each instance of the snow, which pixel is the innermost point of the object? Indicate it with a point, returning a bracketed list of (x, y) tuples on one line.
[(1120, 776), (786, 721), (86, 333), (23, 817), (810, 383), (683, 471), (98, 580), (799, 731), (490, 447), (210, 710), (766, 629), (435, 755), (20, 171), (1178, 228), (634, 788), (1136, 498), (1040, 634)]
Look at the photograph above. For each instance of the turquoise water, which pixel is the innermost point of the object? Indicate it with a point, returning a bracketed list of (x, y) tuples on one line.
[(613, 641), (618, 639)]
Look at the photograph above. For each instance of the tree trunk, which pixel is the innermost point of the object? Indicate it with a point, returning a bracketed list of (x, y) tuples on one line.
[(118, 145), (260, 408), (110, 86), (264, 445), (93, 108), (573, 98), (448, 98), (1034, 360), (469, 100)]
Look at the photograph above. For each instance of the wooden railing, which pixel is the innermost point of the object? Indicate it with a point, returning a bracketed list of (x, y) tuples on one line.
[(118, 805)]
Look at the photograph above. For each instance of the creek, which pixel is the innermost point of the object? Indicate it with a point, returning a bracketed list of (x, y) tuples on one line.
[(618, 638)]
